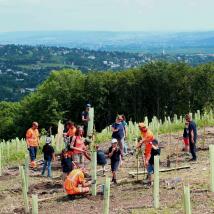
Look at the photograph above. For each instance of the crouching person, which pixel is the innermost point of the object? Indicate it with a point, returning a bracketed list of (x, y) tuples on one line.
[(75, 183), (154, 151)]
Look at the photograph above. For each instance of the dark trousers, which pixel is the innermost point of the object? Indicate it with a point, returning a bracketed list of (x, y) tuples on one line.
[(32, 152), (192, 147)]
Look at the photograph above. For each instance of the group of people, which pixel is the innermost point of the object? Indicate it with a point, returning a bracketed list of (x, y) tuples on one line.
[(76, 150)]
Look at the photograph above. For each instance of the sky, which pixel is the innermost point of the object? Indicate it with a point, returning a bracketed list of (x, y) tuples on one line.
[(106, 15)]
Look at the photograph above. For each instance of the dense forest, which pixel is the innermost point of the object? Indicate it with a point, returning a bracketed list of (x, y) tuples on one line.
[(158, 88)]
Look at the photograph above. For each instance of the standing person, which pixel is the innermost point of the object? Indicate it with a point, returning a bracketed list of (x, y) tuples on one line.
[(85, 119), (49, 155), (154, 151), (118, 133), (192, 137), (147, 138), (70, 133), (186, 137), (114, 154), (32, 139), (78, 147)]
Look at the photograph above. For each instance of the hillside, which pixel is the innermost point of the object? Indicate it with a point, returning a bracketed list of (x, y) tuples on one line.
[(22, 67)]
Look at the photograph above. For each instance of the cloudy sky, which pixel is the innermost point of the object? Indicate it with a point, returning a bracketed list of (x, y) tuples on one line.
[(106, 15)]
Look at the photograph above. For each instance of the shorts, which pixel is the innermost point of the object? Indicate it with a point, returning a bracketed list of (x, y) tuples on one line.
[(150, 169), (186, 141), (114, 166)]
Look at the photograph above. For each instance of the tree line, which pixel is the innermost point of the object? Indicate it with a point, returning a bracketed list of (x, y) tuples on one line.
[(157, 88)]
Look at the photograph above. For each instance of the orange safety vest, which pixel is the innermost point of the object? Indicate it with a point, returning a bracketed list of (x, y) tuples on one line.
[(72, 182), (147, 137), (32, 137)]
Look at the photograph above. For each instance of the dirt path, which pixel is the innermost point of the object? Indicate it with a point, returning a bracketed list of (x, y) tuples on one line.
[(125, 198)]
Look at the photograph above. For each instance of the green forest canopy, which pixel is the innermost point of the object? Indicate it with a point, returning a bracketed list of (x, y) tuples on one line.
[(157, 88)]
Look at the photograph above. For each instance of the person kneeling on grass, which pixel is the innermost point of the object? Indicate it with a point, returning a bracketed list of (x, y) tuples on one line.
[(116, 159), (49, 155), (75, 183), (154, 151)]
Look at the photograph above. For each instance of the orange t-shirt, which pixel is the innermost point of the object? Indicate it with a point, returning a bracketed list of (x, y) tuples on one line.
[(71, 132), (73, 180), (78, 143), (147, 138), (32, 137)]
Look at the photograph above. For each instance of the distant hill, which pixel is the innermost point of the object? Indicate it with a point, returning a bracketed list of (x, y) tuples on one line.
[(152, 42)]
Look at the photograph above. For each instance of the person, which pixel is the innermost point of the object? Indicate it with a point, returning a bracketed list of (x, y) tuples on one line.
[(70, 134), (154, 151), (78, 147), (49, 155), (75, 183), (118, 133), (101, 158), (192, 137), (114, 154), (32, 140), (66, 163), (186, 137), (147, 138), (85, 119), (124, 123)]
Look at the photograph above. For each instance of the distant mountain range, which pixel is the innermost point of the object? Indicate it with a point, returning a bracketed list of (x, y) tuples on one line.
[(146, 42)]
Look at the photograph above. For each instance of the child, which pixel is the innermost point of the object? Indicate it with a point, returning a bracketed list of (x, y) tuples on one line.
[(186, 137), (154, 151), (101, 158), (66, 163), (49, 155), (116, 159)]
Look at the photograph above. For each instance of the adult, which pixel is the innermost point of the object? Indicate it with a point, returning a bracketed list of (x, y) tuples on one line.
[(75, 183), (85, 119), (32, 140), (118, 133), (125, 125), (147, 138), (192, 137)]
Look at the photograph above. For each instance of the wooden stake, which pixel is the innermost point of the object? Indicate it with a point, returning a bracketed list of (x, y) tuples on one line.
[(94, 173), (35, 207), (156, 182), (187, 203), (106, 196), (211, 151), (24, 189)]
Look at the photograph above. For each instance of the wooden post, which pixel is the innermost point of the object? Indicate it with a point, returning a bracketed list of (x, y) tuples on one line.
[(35, 207), (211, 151), (106, 196), (94, 172), (90, 129), (156, 182), (24, 189), (0, 159), (27, 171), (187, 203)]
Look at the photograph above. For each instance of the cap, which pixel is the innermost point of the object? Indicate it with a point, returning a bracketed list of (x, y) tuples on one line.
[(88, 105), (48, 140), (114, 140), (142, 125), (35, 124)]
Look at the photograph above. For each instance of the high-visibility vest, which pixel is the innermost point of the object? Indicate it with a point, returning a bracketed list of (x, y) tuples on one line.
[(32, 137), (148, 137)]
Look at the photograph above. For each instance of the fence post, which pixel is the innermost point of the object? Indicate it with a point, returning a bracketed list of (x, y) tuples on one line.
[(211, 151), (187, 203), (35, 207), (27, 171), (24, 189), (106, 196), (1, 159), (156, 182)]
